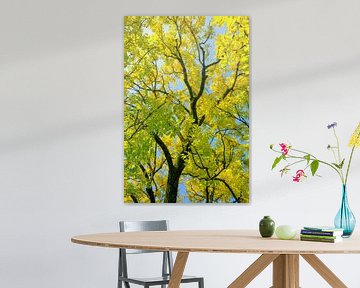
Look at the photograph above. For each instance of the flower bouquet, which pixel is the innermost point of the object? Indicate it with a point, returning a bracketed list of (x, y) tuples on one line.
[(293, 157)]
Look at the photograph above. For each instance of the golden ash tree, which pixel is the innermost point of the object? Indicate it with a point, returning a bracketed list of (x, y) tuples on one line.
[(186, 109)]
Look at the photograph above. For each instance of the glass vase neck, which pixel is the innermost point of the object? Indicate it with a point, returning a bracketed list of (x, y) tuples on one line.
[(344, 195), (345, 219), (344, 189)]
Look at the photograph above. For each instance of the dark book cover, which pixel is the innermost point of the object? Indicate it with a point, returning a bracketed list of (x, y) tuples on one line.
[(321, 233)]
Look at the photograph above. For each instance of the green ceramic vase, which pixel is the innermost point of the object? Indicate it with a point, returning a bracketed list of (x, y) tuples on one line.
[(266, 227)]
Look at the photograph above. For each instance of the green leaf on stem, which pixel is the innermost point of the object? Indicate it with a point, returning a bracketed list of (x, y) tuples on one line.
[(314, 166), (307, 157), (336, 165), (271, 146), (339, 166), (342, 163), (284, 171), (276, 161)]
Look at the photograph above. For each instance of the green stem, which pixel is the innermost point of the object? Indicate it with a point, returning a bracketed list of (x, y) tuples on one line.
[(339, 156), (320, 161), (313, 158), (296, 162), (348, 167), (333, 152), (351, 155), (300, 151), (338, 145)]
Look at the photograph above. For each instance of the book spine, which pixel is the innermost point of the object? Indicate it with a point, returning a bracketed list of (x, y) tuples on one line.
[(319, 236), (317, 239), (320, 233)]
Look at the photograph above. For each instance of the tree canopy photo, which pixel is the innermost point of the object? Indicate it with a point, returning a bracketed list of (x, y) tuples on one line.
[(186, 109)]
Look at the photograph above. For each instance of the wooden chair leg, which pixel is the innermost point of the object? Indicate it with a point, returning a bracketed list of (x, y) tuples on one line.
[(253, 270), (324, 271), (178, 269)]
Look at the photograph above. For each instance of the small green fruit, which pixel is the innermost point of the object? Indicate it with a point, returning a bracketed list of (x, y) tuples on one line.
[(285, 232)]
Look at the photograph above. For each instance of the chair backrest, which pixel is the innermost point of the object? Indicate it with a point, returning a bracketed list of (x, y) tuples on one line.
[(133, 226), (137, 226)]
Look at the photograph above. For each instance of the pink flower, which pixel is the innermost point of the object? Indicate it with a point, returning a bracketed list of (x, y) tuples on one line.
[(284, 148), (300, 174)]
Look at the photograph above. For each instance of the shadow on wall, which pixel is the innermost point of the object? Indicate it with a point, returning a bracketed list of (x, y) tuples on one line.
[(299, 77), (56, 134)]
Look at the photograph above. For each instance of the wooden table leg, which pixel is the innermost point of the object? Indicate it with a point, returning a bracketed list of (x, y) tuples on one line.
[(293, 264), (324, 271), (178, 270), (253, 270), (286, 271)]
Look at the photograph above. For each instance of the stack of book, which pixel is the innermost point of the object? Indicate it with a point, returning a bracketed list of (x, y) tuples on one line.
[(321, 234)]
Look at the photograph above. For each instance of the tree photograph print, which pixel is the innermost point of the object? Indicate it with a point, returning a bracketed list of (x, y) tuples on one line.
[(186, 109)]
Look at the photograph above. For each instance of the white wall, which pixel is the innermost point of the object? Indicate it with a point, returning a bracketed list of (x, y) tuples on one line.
[(61, 133)]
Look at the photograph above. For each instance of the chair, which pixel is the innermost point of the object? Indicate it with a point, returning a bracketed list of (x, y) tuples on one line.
[(167, 262)]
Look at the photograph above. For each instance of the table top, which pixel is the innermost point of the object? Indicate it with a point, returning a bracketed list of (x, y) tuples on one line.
[(217, 241)]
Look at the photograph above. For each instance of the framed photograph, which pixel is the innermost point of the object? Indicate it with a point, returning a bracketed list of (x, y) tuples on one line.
[(186, 109)]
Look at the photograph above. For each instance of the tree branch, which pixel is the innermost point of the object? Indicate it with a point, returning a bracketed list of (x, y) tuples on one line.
[(148, 188), (133, 197), (229, 188), (165, 150)]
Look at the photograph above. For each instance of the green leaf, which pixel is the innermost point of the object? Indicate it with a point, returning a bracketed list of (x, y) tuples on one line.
[(284, 170), (339, 166), (307, 157), (271, 146), (314, 167), (276, 161), (342, 163)]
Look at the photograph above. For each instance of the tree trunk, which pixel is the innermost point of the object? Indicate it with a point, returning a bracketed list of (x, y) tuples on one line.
[(172, 187), (150, 193)]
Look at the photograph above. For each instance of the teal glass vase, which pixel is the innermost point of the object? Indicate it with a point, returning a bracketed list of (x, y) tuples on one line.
[(345, 219)]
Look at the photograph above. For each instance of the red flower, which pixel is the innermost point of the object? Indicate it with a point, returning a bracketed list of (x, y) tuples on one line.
[(284, 148), (299, 175)]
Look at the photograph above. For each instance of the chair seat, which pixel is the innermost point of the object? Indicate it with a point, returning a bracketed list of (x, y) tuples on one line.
[(158, 280)]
